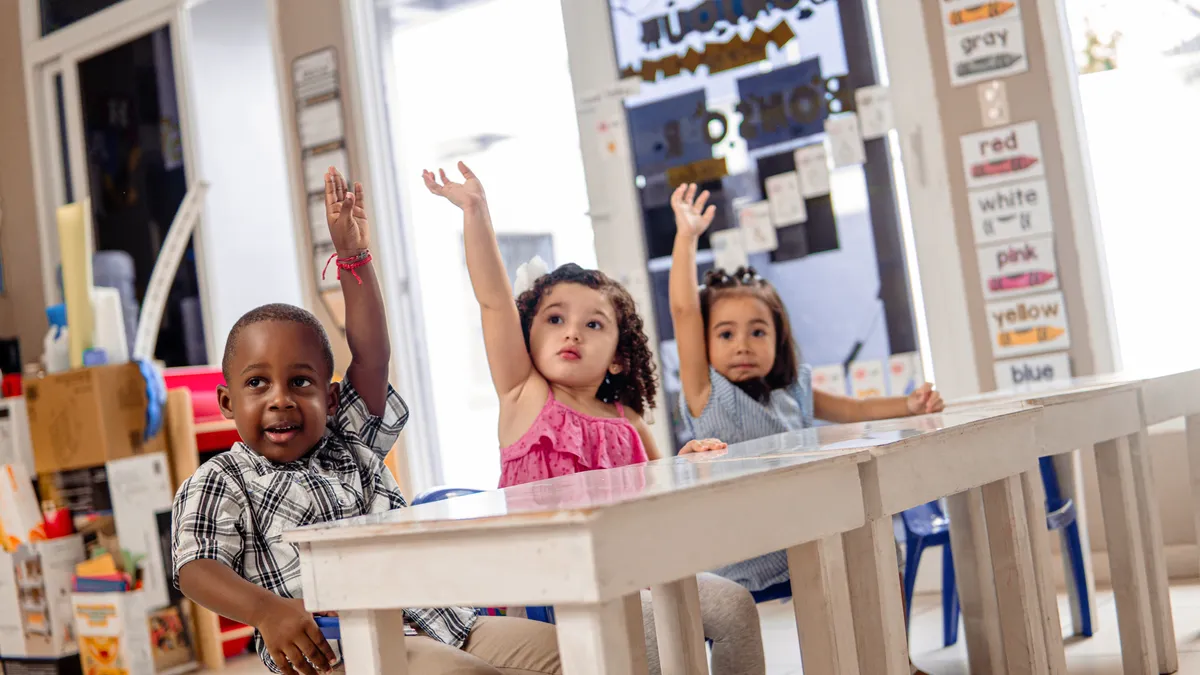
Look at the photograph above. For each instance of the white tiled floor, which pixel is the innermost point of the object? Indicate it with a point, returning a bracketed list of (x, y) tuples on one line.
[(1101, 655)]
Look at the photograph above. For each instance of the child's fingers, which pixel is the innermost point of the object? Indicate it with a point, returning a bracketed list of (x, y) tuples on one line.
[(709, 213), (322, 644), (677, 195), (282, 662), (308, 646), (465, 170), (691, 194), (431, 182), (701, 201), (329, 198), (445, 180), (358, 192)]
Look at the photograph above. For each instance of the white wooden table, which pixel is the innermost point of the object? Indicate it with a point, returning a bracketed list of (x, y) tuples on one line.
[(1104, 413), (586, 544)]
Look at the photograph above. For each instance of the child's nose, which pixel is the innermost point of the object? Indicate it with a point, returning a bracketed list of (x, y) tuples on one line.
[(281, 399)]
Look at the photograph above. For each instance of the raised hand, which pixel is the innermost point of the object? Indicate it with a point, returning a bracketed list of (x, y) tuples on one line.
[(464, 195), (691, 218), (345, 214)]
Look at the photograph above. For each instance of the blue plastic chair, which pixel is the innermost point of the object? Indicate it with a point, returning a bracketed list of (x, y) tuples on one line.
[(927, 525)]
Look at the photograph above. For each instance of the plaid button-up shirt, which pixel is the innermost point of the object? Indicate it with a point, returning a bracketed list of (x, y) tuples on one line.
[(237, 506)]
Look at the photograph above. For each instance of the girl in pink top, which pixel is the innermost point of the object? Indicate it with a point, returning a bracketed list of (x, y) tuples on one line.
[(571, 364)]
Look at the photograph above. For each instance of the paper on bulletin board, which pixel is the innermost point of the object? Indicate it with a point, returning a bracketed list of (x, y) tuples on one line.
[(1003, 154), (904, 373), (320, 124), (612, 137), (812, 166), (1019, 267), (867, 379), (1010, 211), (315, 167), (1029, 325), (315, 74), (845, 140), (729, 249), (786, 202), (758, 233), (874, 111), (1031, 371), (830, 379), (318, 225), (986, 50)]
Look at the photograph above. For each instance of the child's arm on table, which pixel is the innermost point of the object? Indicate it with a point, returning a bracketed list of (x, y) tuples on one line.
[(691, 220), (508, 358), (290, 632), (652, 451), (843, 409), (366, 318)]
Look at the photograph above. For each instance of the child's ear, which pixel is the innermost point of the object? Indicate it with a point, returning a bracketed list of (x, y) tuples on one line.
[(615, 368), (331, 402), (224, 401)]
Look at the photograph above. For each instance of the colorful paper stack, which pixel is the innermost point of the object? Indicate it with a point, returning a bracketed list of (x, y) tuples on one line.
[(101, 575)]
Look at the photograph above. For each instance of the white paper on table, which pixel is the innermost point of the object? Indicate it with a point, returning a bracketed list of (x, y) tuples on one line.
[(729, 249), (812, 167), (758, 233), (785, 200), (845, 140), (874, 111)]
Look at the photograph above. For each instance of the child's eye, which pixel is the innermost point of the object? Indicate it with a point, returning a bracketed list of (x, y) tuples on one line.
[(255, 382), (555, 319), (595, 325), (725, 335), (760, 333), (300, 382)]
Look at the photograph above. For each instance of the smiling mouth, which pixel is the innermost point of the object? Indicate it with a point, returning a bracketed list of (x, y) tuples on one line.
[(282, 433)]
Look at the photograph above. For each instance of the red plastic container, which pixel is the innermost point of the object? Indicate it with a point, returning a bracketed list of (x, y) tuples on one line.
[(202, 381)]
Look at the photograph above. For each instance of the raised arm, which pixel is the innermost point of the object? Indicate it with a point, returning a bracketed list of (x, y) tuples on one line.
[(843, 409), (508, 358), (691, 220), (366, 318)]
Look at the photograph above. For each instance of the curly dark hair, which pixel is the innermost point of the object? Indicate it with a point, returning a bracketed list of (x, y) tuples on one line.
[(634, 387), (278, 312), (745, 282)]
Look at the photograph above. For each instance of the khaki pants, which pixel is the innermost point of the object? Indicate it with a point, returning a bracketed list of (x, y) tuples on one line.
[(498, 644)]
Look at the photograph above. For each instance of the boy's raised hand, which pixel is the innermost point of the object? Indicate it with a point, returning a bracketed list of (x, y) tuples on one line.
[(691, 218), (344, 211), (464, 195)]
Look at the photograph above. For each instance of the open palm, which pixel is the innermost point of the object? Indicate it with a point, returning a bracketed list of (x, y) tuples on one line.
[(345, 214), (691, 217), (464, 194)]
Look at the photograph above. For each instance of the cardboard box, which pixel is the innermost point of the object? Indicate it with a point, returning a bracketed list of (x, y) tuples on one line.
[(83, 418), (66, 665), (36, 619), (20, 516), (114, 634)]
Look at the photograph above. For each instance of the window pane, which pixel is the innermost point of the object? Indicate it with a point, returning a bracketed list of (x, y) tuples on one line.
[(62, 13)]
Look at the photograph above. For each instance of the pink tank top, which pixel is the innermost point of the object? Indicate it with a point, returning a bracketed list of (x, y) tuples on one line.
[(562, 441)]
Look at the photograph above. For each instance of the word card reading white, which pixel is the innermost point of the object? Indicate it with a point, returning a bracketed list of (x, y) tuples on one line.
[(812, 164), (729, 249), (874, 111), (1010, 211), (1031, 371), (867, 379), (1028, 325), (845, 140), (1002, 155), (986, 51), (758, 234), (830, 379), (787, 204), (1020, 267)]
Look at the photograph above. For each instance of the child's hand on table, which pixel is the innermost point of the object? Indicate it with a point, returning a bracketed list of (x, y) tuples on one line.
[(691, 218), (464, 195), (294, 640), (925, 400), (346, 216), (703, 445)]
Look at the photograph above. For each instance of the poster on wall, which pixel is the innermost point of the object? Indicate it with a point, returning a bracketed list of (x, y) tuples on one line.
[(1029, 325), (1019, 267), (904, 374), (775, 109), (867, 379), (667, 133), (1002, 155), (984, 41), (1010, 211), (1031, 371), (830, 379)]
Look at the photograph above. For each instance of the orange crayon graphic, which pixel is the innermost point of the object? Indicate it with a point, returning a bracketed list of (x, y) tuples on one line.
[(1028, 336), (988, 10)]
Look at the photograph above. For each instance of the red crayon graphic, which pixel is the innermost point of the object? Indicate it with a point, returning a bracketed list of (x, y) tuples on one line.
[(1001, 166), (1013, 282)]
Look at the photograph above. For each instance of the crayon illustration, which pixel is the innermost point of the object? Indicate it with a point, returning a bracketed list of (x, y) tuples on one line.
[(988, 10), (986, 64), (1028, 336), (1003, 166), (1014, 282)]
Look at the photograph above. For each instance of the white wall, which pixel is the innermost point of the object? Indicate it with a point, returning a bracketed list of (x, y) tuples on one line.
[(248, 237)]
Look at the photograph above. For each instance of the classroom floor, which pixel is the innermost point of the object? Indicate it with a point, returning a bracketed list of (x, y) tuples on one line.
[(1101, 655)]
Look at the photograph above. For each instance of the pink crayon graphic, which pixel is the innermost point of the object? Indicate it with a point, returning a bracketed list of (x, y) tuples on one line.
[(1013, 282)]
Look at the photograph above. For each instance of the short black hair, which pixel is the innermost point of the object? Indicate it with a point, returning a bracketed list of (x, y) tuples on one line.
[(277, 312)]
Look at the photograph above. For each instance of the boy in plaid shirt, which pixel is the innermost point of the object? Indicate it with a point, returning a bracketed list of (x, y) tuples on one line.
[(312, 451)]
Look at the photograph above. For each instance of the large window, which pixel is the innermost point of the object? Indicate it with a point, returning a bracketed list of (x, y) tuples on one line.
[(500, 100)]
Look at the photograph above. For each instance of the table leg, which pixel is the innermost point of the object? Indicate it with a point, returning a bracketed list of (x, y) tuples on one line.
[(1192, 436), (602, 639), (1069, 468), (1122, 528), (1039, 542), (677, 623), (976, 583), (1152, 547), (821, 600), (875, 599), (373, 642)]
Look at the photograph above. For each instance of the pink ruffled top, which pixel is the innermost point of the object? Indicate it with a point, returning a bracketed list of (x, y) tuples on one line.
[(562, 441)]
